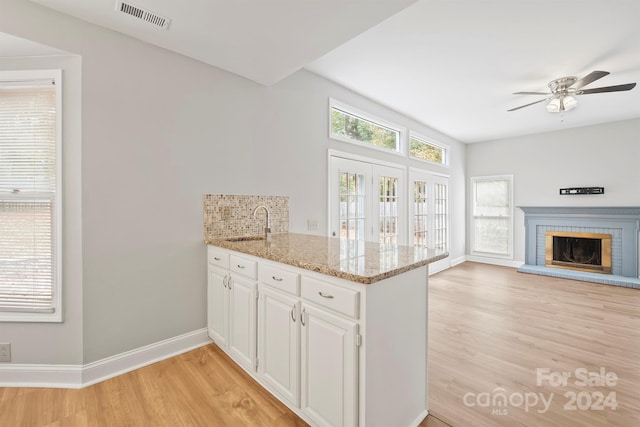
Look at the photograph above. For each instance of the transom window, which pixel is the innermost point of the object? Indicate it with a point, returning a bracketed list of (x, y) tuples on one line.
[(421, 148), (350, 125)]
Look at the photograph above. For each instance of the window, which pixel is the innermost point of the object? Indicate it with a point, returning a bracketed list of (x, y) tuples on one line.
[(30, 200), (430, 225), (492, 216), (421, 148), (349, 125)]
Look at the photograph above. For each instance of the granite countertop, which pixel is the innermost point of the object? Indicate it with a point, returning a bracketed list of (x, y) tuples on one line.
[(354, 260)]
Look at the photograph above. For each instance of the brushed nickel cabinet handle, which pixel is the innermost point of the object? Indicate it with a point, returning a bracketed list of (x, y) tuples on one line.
[(302, 317), (293, 316), (216, 258), (277, 279), (241, 266), (323, 295)]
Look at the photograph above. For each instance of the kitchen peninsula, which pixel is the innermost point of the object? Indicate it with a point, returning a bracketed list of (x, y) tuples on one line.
[(335, 328)]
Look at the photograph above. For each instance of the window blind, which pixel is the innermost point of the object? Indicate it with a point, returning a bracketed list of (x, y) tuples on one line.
[(27, 196)]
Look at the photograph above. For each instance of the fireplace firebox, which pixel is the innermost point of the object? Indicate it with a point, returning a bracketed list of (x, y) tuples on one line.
[(578, 251)]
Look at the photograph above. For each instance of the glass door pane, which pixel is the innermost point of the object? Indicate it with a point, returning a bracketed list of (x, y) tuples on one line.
[(352, 202), (420, 214)]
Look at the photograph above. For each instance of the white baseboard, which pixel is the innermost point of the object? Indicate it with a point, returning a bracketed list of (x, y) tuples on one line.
[(494, 261), (32, 375), (128, 361), (419, 419), (458, 260), (78, 376)]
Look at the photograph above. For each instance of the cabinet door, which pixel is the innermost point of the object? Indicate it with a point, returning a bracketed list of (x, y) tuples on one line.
[(242, 321), (328, 368), (217, 306), (279, 343)]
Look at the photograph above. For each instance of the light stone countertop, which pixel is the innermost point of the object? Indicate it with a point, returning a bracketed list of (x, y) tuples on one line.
[(354, 260)]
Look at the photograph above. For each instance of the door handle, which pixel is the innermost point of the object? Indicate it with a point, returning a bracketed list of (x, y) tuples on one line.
[(302, 317)]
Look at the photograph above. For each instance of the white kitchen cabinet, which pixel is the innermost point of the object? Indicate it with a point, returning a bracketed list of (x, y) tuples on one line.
[(232, 304), (242, 320), (336, 352), (329, 375), (279, 343), (218, 306)]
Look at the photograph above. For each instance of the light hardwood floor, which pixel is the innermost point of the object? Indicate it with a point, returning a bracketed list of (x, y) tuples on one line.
[(490, 327), (200, 388)]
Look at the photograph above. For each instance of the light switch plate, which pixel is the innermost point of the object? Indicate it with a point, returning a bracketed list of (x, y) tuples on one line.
[(5, 352), (312, 224)]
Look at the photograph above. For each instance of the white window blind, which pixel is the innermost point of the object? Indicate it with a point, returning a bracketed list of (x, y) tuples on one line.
[(29, 129), (492, 215)]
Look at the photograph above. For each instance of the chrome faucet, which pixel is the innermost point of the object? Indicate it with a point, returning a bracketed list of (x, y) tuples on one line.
[(267, 228)]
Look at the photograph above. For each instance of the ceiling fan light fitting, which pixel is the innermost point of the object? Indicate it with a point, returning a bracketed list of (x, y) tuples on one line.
[(554, 105), (569, 103), (562, 103)]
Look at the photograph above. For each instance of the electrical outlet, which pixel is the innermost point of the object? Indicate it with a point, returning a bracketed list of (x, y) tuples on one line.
[(5, 352), (312, 224), (225, 212)]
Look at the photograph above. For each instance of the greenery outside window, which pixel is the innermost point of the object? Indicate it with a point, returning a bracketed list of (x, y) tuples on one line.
[(347, 124), (421, 148)]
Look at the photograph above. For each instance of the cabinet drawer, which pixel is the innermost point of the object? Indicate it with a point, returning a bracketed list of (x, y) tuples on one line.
[(342, 300), (281, 279), (218, 257), (243, 266)]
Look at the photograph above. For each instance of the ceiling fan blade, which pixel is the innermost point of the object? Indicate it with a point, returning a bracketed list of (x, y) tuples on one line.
[(526, 105), (531, 93), (617, 88), (589, 78)]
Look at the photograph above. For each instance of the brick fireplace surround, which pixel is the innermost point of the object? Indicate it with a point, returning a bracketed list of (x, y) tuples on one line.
[(622, 223)]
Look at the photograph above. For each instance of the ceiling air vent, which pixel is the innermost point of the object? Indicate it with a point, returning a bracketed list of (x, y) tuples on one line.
[(145, 15)]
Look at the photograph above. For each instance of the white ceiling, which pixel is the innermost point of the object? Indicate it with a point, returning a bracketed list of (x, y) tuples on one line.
[(451, 64), (11, 46)]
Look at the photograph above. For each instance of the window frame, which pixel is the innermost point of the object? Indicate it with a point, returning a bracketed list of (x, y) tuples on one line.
[(428, 141), (352, 111), (473, 216), (57, 232)]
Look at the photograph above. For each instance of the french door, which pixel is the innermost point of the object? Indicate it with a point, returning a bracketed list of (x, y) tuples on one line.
[(367, 201), (429, 225)]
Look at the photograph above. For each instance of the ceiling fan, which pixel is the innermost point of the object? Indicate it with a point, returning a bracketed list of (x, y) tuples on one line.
[(563, 91)]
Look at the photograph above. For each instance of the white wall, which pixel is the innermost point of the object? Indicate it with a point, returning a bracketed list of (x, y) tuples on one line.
[(158, 131), (596, 156), (58, 342)]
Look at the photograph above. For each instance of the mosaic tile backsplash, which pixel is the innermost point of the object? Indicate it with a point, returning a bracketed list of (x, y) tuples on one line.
[(227, 215)]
